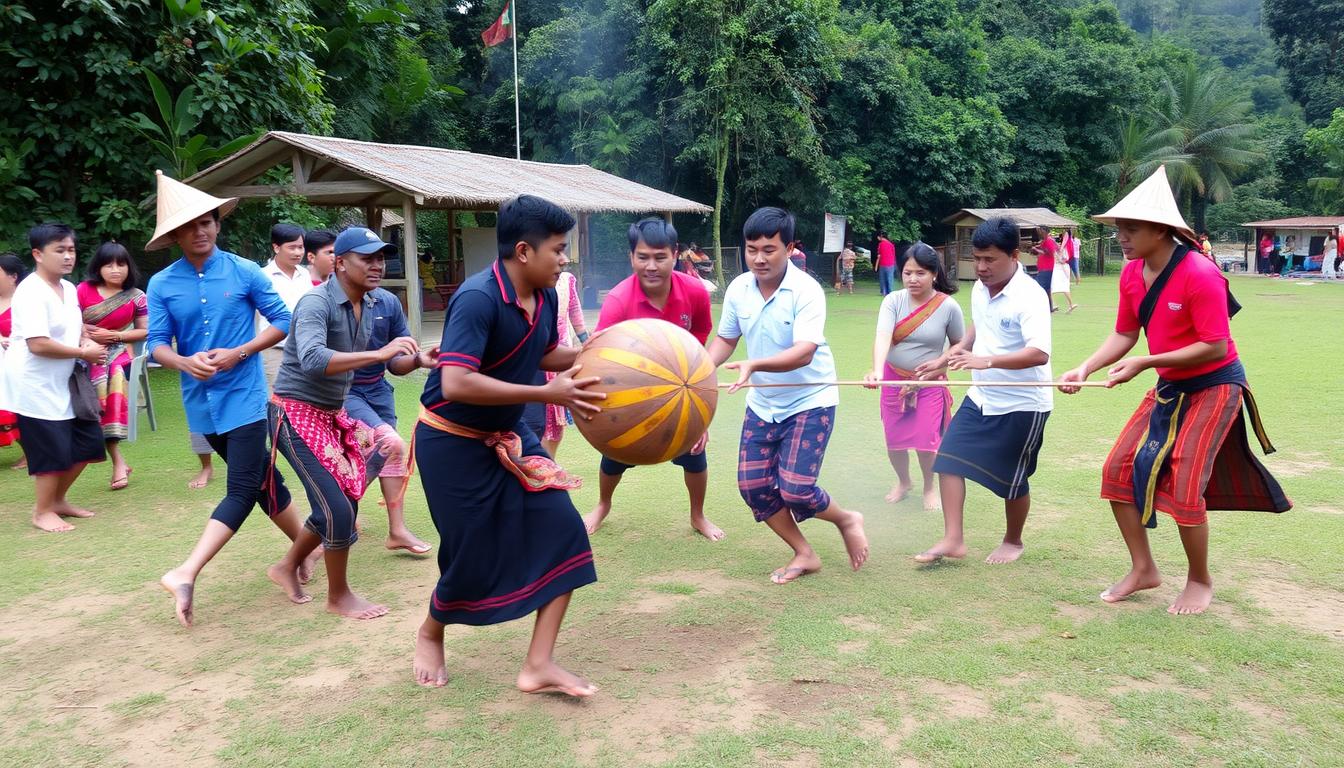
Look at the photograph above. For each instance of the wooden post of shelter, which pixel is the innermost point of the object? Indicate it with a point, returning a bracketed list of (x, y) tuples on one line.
[(410, 260)]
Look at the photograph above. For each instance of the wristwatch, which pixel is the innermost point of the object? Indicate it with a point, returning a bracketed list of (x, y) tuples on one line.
[(242, 355)]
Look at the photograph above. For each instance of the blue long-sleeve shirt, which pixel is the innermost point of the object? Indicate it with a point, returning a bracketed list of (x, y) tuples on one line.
[(214, 308)]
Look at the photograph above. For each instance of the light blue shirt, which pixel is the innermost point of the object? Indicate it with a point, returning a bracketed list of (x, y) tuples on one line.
[(209, 309), (795, 312)]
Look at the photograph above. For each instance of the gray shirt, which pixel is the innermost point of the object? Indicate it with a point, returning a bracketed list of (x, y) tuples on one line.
[(324, 323), (946, 325)]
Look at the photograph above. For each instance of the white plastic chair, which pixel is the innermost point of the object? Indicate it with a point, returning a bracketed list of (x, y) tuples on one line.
[(137, 385)]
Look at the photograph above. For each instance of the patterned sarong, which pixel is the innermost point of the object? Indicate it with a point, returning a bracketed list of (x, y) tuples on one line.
[(1186, 451), (345, 447)]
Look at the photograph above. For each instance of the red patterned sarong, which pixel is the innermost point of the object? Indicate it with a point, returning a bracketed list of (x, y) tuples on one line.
[(1209, 466), (341, 443)]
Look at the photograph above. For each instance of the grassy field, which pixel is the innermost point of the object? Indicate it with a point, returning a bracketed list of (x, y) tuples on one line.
[(702, 661)]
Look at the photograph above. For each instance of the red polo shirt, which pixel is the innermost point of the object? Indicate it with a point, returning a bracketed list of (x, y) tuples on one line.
[(687, 305), (1193, 307)]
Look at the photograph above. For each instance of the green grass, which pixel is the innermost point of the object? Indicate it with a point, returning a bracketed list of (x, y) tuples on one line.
[(701, 660)]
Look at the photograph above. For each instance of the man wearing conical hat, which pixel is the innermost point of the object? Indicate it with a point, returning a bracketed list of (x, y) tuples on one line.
[(204, 303), (1185, 450)]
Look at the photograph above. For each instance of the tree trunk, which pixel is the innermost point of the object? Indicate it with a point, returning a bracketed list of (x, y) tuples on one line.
[(720, 171), (1199, 211)]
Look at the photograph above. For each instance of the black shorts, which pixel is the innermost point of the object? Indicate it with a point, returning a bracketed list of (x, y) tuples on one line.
[(53, 447), (691, 462)]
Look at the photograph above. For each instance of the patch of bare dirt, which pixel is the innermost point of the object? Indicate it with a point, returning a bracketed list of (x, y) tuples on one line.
[(705, 583), (1310, 608), (860, 624), (957, 700), (689, 680), (1305, 464), (1076, 716)]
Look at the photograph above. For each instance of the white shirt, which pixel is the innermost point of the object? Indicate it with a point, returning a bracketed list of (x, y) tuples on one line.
[(39, 387), (291, 289), (1017, 318), (795, 312)]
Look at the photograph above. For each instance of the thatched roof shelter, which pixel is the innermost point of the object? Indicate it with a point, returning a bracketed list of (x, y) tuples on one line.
[(330, 171)]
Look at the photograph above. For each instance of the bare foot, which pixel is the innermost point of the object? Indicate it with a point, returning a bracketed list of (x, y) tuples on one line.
[(933, 501), (181, 589), (287, 578), (799, 566), (408, 541), (1195, 598), (352, 606), (430, 671), (51, 522), (593, 520), (202, 478), (552, 678), (1134, 581), (954, 550), (706, 528), (65, 510), (309, 565), (20, 464), (856, 541), (1005, 553), (898, 492)]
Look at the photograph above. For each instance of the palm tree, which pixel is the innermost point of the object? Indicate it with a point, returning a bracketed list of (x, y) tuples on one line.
[(1140, 149), (1212, 137)]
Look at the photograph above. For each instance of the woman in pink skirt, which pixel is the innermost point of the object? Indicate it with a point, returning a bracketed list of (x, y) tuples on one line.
[(914, 326)]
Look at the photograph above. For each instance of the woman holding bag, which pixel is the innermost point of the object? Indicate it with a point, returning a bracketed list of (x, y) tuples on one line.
[(914, 326)]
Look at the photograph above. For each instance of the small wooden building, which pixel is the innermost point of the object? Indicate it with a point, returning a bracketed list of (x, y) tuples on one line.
[(1298, 242), (957, 258)]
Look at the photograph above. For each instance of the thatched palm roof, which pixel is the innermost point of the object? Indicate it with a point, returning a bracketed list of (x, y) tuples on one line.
[(1025, 217), (332, 171)]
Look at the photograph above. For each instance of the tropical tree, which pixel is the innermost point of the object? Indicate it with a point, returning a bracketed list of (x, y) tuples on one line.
[(1327, 145), (1207, 121), (1140, 149)]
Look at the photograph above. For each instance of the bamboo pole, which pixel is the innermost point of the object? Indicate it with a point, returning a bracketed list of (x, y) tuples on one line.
[(918, 383)]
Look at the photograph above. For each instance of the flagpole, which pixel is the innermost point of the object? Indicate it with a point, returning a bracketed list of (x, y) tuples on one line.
[(517, 121)]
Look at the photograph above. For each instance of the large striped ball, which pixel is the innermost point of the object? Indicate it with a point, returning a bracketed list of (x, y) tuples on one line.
[(661, 391)]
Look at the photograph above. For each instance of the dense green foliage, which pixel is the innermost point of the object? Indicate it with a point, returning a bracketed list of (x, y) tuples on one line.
[(895, 112)]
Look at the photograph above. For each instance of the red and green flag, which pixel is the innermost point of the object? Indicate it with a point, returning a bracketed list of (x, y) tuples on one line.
[(502, 29)]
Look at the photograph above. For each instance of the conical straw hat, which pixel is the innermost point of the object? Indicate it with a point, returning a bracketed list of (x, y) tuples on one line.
[(179, 204), (1151, 201)]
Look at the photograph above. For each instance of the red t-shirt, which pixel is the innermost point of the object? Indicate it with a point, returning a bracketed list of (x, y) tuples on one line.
[(1192, 307), (687, 305), (886, 253), (1046, 261)]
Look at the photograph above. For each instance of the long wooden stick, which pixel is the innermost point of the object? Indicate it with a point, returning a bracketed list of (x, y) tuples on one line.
[(920, 383)]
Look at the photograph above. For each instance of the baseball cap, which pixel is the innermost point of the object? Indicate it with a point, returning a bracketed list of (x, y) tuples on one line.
[(361, 240)]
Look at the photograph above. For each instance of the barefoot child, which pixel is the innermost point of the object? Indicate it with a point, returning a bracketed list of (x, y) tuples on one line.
[(1184, 451), (371, 401), (511, 542), (658, 290), (781, 311), (995, 435), (331, 452), (206, 302)]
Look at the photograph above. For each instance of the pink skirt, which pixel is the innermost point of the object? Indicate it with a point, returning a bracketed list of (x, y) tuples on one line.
[(918, 428)]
